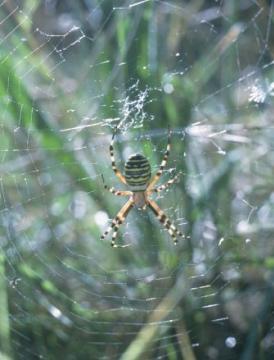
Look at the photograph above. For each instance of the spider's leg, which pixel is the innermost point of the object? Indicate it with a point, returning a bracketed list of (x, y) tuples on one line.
[(114, 191), (113, 163), (161, 216), (166, 185), (118, 221), (157, 176)]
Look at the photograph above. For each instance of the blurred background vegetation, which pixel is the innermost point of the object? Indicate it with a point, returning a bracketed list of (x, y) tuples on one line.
[(70, 73)]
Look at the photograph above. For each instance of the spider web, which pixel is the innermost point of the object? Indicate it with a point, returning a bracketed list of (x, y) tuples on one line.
[(67, 83)]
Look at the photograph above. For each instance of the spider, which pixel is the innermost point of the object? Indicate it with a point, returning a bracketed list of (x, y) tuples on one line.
[(138, 178)]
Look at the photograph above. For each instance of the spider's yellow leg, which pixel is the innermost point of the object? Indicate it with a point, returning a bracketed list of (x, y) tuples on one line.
[(161, 216), (113, 163), (118, 192), (166, 185), (114, 191), (118, 221), (157, 176)]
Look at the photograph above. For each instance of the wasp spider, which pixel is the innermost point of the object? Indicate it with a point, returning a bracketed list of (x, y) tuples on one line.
[(138, 178)]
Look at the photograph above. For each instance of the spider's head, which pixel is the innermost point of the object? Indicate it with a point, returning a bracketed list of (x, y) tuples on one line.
[(137, 172)]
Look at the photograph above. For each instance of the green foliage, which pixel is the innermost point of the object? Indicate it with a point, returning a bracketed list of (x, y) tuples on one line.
[(70, 76)]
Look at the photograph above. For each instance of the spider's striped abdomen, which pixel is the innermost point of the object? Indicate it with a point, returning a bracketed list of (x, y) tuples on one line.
[(137, 172)]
